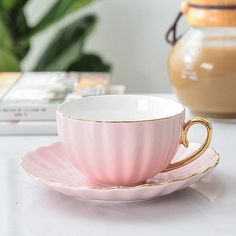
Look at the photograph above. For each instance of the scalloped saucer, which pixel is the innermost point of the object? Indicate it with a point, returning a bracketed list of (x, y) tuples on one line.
[(52, 166)]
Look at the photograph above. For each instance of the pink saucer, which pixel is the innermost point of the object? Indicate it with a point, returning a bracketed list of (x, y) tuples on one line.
[(52, 166)]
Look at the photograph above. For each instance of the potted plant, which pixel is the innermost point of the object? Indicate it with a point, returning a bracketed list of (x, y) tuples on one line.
[(64, 52)]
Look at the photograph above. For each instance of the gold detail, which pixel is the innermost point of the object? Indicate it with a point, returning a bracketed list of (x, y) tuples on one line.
[(124, 121), (68, 186), (185, 142)]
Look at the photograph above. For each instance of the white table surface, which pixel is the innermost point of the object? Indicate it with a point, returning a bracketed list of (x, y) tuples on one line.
[(30, 208)]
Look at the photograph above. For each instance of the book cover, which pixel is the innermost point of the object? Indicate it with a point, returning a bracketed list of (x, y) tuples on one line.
[(35, 96), (7, 81)]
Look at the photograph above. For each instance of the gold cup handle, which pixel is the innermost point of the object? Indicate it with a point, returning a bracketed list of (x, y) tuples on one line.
[(185, 142)]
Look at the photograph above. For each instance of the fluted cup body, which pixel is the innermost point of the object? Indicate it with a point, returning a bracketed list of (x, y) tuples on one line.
[(114, 148)]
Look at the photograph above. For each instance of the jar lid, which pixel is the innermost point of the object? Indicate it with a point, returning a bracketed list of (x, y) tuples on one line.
[(210, 13)]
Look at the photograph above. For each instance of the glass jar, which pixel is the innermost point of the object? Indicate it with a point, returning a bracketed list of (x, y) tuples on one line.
[(202, 68)]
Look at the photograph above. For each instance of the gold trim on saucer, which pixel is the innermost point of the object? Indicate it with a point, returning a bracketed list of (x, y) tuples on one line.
[(64, 185)]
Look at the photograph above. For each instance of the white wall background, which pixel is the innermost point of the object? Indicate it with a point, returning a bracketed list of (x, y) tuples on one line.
[(130, 34)]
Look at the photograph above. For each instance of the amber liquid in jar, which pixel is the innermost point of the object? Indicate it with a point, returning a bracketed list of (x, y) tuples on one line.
[(204, 77)]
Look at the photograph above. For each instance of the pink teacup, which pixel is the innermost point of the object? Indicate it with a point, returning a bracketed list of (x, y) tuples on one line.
[(123, 140)]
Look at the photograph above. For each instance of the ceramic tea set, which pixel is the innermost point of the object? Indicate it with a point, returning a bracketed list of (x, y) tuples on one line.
[(122, 148)]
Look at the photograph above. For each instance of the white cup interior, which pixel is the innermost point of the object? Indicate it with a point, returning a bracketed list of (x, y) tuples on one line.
[(120, 108)]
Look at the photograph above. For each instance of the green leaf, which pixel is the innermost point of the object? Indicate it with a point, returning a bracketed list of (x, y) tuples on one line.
[(5, 39), (21, 28), (59, 10), (8, 61), (13, 26), (89, 63), (66, 46), (21, 23), (22, 49), (12, 4)]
